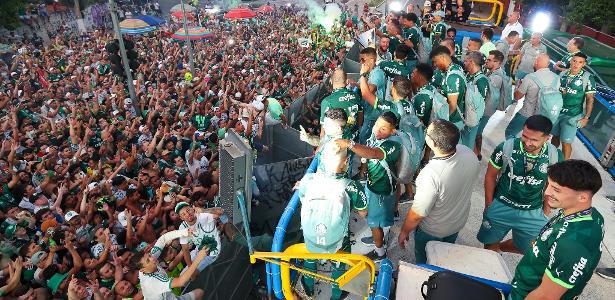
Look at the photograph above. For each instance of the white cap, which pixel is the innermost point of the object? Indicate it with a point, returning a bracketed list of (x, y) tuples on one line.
[(92, 186), (238, 95), (127, 101), (70, 215), (142, 128)]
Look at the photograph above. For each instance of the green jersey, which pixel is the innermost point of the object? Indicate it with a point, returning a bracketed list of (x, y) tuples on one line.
[(378, 179), (356, 194), (438, 32), (455, 84), (437, 79), (383, 106), (574, 88), (566, 60), (567, 250), (391, 70), (482, 83), (423, 103), (414, 35), (529, 176), (348, 101), (201, 122)]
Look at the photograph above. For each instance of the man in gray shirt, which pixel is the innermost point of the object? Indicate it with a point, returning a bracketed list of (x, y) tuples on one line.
[(444, 187), (529, 89), (528, 54)]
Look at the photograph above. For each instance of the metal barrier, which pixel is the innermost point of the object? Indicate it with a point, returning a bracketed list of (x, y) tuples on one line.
[(495, 3)]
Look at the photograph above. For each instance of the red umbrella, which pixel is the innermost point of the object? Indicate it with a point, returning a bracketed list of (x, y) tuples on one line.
[(240, 13), (266, 9), (180, 16)]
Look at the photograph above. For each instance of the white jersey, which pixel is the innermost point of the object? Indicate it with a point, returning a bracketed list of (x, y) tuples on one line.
[(155, 285), (204, 229)]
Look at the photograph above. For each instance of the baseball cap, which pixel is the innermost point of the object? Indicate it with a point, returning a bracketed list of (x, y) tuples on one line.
[(238, 95), (36, 257), (439, 14), (70, 215), (54, 282), (179, 206)]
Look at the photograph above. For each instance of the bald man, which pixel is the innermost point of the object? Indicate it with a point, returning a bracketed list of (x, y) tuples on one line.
[(512, 25), (345, 99), (528, 88)]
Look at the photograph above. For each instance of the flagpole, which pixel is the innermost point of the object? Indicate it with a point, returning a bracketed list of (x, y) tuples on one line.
[(190, 54)]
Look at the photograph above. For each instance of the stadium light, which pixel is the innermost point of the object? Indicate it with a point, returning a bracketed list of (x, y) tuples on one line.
[(395, 6), (541, 22)]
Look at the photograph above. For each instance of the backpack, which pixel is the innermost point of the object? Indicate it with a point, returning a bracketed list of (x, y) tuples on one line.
[(507, 163), (449, 285), (550, 99), (409, 158), (503, 94), (439, 106), (421, 52), (325, 212), (474, 105)]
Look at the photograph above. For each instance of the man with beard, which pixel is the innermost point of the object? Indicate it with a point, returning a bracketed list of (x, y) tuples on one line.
[(515, 178)]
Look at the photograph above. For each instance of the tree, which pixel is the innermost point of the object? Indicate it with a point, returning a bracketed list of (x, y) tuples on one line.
[(597, 12), (9, 17)]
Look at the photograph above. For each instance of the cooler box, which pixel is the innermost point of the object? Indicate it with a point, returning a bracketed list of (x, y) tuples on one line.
[(472, 261)]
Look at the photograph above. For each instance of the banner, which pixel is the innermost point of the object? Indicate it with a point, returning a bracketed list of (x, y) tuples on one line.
[(368, 38)]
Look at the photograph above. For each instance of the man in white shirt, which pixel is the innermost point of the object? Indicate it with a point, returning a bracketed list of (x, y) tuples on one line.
[(204, 224), (154, 280), (513, 25), (443, 189)]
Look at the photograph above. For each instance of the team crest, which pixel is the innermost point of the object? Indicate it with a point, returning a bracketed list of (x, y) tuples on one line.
[(578, 82), (543, 168), (321, 229), (545, 235)]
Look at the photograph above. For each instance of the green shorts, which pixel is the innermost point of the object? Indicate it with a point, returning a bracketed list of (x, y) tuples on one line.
[(501, 218), (566, 128), (380, 209)]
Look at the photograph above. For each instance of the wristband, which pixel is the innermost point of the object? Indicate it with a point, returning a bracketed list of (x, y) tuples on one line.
[(351, 144)]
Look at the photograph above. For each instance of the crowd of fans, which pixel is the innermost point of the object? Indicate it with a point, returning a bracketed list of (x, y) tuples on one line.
[(107, 197), (91, 177)]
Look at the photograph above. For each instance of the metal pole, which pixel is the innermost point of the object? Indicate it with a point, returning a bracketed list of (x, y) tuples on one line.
[(116, 27), (190, 54)]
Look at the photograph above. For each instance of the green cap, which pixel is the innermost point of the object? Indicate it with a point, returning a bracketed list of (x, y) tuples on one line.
[(179, 206), (54, 282)]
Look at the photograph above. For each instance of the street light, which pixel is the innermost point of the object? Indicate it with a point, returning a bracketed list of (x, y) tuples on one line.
[(190, 54), (541, 22), (116, 27)]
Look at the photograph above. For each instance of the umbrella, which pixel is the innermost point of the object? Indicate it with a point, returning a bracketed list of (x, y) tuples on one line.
[(194, 33), (240, 13), (135, 26), (266, 9), (151, 20), (187, 7), (180, 16)]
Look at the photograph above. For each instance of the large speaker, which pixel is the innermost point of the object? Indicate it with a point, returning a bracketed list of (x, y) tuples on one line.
[(236, 158), (229, 277)]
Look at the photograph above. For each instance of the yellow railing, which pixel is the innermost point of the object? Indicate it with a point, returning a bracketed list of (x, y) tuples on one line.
[(357, 264), (496, 3)]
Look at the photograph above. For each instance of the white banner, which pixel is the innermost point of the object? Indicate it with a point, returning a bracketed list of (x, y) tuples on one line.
[(303, 42), (367, 39)]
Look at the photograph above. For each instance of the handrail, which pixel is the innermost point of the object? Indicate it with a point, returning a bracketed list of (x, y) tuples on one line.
[(383, 282), (358, 264), (494, 2), (280, 232)]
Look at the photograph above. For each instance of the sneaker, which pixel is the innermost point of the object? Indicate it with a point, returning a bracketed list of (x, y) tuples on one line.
[(368, 241), (606, 273), (405, 199), (396, 216), (375, 257)]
